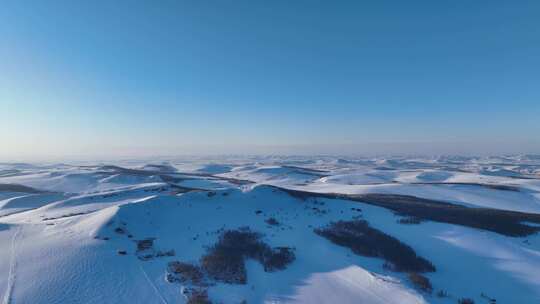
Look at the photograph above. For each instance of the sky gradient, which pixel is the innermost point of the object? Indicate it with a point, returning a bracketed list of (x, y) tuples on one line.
[(141, 78)]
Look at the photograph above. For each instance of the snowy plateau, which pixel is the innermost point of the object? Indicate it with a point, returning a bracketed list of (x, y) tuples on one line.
[(273, 229)]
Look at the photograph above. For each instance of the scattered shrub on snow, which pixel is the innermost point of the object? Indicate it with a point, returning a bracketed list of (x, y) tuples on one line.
[(184, 272), (64, 216), (145, 249), (442, 294), (465, 301), (145, 244), (198, 296), (410, 220), (166, 253), (272, 221), (488, 298)]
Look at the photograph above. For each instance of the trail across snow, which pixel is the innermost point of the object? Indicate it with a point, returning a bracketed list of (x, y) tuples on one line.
[(154, 287), (12, 267)]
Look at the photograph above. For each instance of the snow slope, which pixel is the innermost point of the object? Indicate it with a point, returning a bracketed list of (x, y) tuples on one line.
[(63, 246)]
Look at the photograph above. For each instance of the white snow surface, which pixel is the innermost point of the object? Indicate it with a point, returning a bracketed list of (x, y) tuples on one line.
[(59, 241)]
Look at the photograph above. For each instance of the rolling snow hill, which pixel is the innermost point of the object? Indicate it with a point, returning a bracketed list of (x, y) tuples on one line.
[(272, 230)]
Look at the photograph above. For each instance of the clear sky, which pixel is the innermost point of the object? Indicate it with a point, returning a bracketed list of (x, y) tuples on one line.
[(114, 78)]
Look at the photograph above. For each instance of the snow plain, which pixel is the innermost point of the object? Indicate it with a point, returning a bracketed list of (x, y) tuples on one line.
[(60, 240)]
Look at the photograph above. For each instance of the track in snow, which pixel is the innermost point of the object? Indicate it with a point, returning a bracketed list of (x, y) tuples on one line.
[(12, 268), (151, 285)]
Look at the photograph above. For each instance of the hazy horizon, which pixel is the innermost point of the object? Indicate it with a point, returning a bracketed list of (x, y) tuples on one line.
[(360, 151)]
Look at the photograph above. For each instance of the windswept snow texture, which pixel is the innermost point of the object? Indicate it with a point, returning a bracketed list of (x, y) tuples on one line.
[(106, 232)]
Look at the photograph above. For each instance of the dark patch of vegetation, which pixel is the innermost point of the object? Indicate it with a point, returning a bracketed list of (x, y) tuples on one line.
[(18, 188), (145, 244), (385, 168), (160, 168), (465, 301), (317, 172), (157, 189), (303, 195), (442, 294), (121, 252), (410, 220), (226, 264), (172, 179), (110, 169), (319, 211), (257, 212), (278, 259), (12, 172), (488, 298), (65, 215), (272, 221), (184, 273), (421, 282), (489, 186), (145, 249), (175, 189), (367, 241), (197, 296), (166, 253), (224, 261), (505, 222)]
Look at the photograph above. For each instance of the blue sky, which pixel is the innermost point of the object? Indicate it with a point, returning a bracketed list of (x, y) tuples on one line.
[(133, 78)]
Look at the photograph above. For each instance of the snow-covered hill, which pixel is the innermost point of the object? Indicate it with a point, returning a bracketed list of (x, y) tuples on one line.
[(272, 230)]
